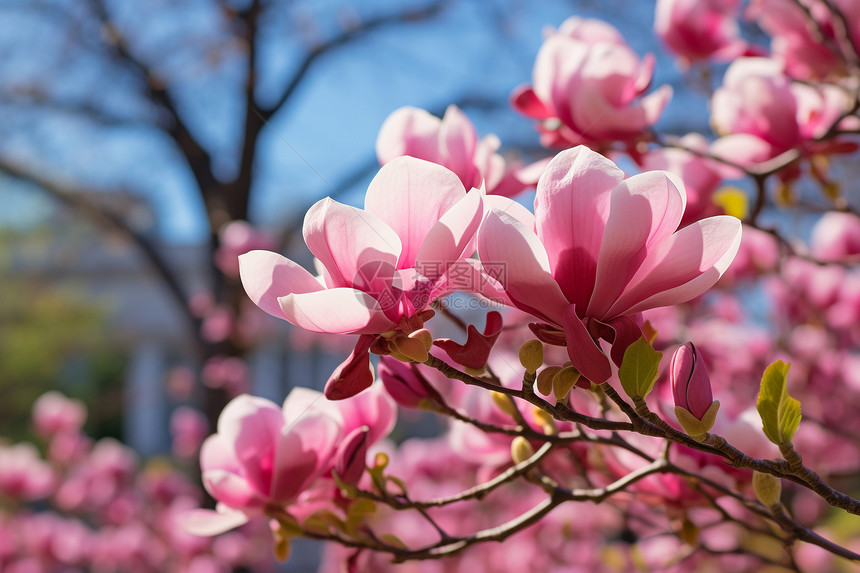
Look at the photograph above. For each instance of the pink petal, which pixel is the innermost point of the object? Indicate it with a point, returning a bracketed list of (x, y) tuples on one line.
[(514, 255), (354, 374), (207, 523), (351, 456), (451, 237), (571, 208), (525, 101), (458, 139), (230, 489), (303, 452), (627, 331), (475, 352), (683, 266), (217, 453), (337, 311), (250, 426), (409, 131), (510, 207), (644, 211), (267, 276), (411, 195), (301, 401), (345, 239), (654, 103), (372, 408), (585, 355)]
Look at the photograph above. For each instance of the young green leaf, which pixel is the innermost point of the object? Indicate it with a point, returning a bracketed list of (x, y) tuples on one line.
[(638, 371), (780, 413)]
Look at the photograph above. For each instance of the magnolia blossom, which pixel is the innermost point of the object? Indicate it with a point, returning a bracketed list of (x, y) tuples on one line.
[(836, 236), (761, 113), (262, 454), (381, 267), (701, 176), (806, 47), (604, 249), (453, 143), (55, 414), (700, 29), (588, 87), (265, 456)]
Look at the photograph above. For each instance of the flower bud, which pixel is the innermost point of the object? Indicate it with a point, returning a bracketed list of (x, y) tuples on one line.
[(768, 488), (564, 381), (544, 379), (404, 383), (350, 457), (531, 356), (503, 403), (521, 450), (424, 336), (413, 349), (691, 387)]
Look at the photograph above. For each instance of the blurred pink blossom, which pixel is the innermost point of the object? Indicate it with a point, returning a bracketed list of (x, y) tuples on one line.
[(453, 143), (55, 414), (697, 30), (588, 88)]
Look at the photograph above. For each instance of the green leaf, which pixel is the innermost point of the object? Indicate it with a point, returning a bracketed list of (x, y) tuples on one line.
[(780, 413), (638, 370)]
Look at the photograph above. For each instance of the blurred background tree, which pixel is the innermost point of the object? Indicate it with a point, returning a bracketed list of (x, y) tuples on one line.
[(162, 122)]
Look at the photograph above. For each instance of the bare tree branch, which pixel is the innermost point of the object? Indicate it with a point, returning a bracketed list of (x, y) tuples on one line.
[(346, 37)]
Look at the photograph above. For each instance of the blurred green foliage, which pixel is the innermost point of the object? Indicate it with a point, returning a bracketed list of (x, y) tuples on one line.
[(52, 337)]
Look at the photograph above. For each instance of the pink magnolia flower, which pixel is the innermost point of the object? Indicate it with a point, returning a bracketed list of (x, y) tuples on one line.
[(55, 414), (793, 41), (836, 236), (700, 29), (188, 428), (381, 266), (262, 454), (453, 143), (761, 113), (588, 87), (603, 250), (23, 474), (701, 176)]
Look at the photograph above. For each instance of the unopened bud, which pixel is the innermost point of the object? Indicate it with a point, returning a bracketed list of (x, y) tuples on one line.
[(768, 488), (411, 348), (521, 450), (564, 381), (544, 379), (531, 356), (424, 336), (503, 403), (350, 457), (544, 421), (691, 385)]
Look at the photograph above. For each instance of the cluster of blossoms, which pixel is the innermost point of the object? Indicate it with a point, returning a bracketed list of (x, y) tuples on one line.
[(91, 506), (549, 407), (623, 407)]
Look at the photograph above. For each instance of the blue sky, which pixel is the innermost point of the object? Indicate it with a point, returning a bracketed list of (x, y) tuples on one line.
[(327, 131)]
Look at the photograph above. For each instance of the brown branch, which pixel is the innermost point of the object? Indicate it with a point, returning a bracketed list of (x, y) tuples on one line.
[(198, 159), (344, 38), (476, 492)]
